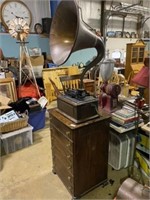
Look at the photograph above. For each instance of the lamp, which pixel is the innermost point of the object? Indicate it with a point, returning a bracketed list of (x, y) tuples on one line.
[(141, 79)]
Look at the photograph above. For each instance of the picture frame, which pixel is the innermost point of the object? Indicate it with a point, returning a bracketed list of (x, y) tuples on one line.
[(8, 88)]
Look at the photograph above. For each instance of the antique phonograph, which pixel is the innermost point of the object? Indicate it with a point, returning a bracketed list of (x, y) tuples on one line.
[(66, 37)]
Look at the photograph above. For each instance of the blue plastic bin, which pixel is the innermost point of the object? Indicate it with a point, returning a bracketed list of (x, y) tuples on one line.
[(37, 119)]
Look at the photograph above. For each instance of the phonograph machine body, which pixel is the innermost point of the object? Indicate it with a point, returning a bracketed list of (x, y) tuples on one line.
[(68, 34)]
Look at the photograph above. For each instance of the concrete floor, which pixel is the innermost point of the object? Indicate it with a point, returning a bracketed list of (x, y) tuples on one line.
[(27, 173)]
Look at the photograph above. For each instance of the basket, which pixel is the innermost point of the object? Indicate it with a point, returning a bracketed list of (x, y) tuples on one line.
[(14, 125)]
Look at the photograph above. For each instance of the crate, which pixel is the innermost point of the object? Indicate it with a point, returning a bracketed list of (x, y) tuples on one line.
[(18, 139), (117, 150), (121, 149), (37, 119)]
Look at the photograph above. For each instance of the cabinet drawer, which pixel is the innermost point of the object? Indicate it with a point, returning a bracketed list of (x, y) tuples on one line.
[(61, 127), (66, 155), (64, 174), (61, 141), (58, 157)]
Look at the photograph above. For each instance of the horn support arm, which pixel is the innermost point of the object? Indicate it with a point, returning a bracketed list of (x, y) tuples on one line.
[(100, 55)]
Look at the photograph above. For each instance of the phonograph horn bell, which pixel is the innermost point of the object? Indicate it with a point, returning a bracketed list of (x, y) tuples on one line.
[(68, 34)]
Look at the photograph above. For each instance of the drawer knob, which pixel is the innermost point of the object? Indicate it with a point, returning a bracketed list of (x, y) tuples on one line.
[(69, 188), (68, 145), (67, 133), (69, 167), (69, 178)]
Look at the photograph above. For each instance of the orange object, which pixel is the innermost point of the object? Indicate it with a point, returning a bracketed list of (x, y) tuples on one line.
[(28, 90)]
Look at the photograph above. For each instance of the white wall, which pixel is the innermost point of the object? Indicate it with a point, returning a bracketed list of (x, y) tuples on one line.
[(115, 44)]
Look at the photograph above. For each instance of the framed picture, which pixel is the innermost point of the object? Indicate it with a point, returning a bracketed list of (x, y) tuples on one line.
[(8, 88)]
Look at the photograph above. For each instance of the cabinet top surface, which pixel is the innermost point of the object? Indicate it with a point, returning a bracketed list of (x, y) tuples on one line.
[(54, 112), (137, 44)]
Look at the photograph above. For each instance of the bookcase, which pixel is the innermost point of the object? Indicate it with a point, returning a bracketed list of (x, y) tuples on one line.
[(134, 58)]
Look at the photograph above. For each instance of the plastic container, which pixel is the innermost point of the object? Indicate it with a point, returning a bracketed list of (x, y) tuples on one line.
[(118, 145), (37, 119), (121, 150), (51, 65), (18, 139)]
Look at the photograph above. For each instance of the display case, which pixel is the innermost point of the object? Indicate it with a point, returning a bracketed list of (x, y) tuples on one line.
[(134, 58)]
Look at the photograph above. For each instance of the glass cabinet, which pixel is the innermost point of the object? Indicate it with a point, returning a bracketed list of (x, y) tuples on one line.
[(134, 57)]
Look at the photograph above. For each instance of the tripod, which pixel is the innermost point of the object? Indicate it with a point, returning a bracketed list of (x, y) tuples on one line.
[(30, 75)]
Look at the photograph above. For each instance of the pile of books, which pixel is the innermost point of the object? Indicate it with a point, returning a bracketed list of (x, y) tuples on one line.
[(125, 119)]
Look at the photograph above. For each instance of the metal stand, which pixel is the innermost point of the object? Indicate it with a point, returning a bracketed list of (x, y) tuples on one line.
[(28, 77), (135, 159)]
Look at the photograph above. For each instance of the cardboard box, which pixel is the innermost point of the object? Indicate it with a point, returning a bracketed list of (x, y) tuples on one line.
[(145, 140), (9, 75), (37, 60), (4, 102), (144, 163), (38, 71)]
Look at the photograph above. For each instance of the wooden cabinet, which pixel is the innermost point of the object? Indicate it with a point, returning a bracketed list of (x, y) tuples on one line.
[(89, 85), (134, 58), (79, 152)]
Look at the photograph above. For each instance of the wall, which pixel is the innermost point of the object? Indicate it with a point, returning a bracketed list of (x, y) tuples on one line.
[(11, 47), (91, 10)]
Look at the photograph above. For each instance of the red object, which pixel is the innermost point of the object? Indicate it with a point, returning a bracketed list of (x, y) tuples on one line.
[(142, 78), (28, 90)]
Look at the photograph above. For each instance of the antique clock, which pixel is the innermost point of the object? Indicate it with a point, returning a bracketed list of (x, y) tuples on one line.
[(11, 9)]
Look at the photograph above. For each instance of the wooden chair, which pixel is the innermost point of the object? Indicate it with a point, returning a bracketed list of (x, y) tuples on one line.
[(70, 82), (56, 90)]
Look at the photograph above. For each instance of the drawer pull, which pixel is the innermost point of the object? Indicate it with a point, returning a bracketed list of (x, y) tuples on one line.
[(69, 167), (69, 188), (68, 145), (68, 133), (69, 178)]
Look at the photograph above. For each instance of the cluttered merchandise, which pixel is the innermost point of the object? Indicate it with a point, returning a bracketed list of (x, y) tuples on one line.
[(18, 121), (74, 100)]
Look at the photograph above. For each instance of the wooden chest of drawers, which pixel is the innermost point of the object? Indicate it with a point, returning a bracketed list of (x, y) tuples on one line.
[(79, 152)]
